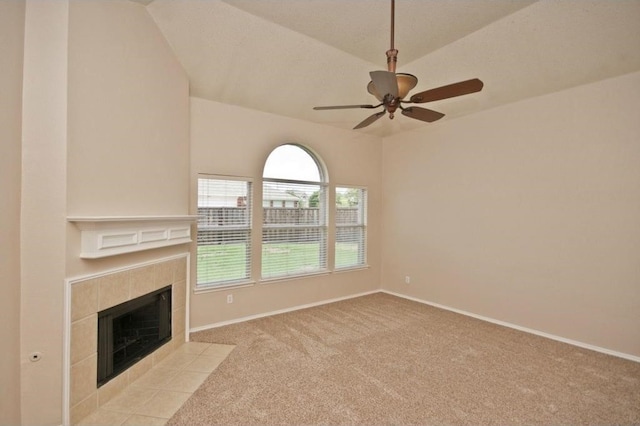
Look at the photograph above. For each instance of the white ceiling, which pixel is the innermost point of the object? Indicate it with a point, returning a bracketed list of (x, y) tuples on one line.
[(286, 56)]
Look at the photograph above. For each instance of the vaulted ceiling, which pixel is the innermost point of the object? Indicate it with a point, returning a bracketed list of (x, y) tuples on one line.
[(286, 56)]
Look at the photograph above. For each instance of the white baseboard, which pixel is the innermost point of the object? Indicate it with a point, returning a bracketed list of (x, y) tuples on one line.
[(520, 328), (280, 311)]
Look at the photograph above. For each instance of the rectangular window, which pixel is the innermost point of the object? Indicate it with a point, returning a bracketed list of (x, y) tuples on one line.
[(294, 228), (351, 227), (224, 231)]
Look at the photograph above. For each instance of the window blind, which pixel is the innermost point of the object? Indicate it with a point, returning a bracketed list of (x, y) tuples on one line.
[(351, 231), (294, 228), (224, 231)]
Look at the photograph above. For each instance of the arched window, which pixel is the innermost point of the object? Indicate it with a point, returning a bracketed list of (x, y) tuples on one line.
[(294, 224)]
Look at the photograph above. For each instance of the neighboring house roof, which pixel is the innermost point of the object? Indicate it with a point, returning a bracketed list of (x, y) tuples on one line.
[(271, 192), (234, 190)]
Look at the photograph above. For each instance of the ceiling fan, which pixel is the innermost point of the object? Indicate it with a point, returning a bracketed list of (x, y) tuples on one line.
[(390, 88)]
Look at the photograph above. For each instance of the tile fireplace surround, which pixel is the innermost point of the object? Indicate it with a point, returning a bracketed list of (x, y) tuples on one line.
[(90, 295)]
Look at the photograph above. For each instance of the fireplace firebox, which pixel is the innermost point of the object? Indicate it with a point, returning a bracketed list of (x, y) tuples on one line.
[(130, 331)]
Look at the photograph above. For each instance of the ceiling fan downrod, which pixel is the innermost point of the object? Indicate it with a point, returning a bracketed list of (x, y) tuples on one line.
[(391, 103), (392, 53)]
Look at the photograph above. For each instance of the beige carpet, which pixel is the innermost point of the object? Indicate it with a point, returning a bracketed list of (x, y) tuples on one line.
[(383, 360)]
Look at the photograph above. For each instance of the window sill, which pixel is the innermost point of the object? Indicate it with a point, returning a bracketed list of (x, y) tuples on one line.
[(214, 288), (352, 268), (294, 277), (222, 287)]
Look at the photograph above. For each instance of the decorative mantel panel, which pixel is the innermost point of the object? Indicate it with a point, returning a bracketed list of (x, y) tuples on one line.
[(103, 236)]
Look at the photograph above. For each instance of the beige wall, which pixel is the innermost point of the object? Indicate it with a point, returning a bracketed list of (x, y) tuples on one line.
[(527, 213), (229, 140), (43, 204), (11, 54), (128, 108), (105, 132)]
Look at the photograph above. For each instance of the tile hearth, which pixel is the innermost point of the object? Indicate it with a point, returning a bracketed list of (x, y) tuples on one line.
[(158, 394)]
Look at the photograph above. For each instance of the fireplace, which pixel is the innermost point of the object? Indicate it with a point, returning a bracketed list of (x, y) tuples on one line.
[(131, 330)]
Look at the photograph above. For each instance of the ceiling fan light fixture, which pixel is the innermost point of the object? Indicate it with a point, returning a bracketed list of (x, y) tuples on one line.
[(406, 82), (371, 88)]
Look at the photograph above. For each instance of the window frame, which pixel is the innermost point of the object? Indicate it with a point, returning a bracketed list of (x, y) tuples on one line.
[(321, 228), (360, 224), (246, 227)]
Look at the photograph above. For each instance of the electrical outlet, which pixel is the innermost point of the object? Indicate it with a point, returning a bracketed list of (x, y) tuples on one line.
[(229, 298), (407, 279)]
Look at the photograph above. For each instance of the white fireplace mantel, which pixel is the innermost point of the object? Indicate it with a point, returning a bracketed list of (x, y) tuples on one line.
[(103, 236)]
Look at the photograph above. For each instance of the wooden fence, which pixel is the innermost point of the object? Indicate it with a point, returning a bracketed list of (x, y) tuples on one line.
[(216, 224)]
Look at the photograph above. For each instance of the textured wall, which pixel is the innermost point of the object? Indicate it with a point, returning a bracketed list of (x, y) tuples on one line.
[(128, 114), (526, 213), (42, 231), (11, 54)]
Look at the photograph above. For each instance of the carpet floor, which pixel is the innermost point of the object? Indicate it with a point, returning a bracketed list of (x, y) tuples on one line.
[(384, 360)]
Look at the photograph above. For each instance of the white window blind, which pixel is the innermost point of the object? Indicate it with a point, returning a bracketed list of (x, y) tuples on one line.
[(224, 231), (351, 227), (294, 228)]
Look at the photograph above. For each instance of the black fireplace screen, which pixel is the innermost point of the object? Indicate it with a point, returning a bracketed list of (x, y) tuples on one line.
[(131, 330)]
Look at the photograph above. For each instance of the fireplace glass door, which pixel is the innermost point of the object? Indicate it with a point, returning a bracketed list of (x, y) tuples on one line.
[(130, 331)]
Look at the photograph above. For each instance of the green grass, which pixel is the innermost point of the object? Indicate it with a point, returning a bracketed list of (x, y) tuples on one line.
[(222, 262), (279, 259), (227, 262), (346, 254)]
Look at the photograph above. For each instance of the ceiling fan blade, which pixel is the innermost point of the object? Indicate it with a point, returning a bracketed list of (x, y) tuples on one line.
[(385, 83), (345, 107), (369, 120), (449, 91), (422, 114)]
